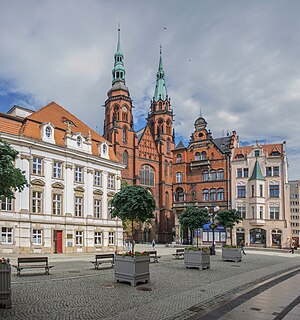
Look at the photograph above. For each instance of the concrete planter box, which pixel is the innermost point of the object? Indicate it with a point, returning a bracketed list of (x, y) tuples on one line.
[(196, 259), (5, 284), (232, 254), (132, 269)]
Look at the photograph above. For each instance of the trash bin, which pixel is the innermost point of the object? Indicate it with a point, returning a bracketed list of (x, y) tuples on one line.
[(5, 283)]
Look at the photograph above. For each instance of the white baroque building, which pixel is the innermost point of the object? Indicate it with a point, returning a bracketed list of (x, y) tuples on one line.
[(73, 174), (260, 191)]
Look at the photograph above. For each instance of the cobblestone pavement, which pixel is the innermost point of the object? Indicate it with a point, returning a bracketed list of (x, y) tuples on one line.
[(74, 290)]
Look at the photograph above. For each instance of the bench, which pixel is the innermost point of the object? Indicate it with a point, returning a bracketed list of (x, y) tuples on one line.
[(103, 258), (179, 253), (153, 255), (32, 263)]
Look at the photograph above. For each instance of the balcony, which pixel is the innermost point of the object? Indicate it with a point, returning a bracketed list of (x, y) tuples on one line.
[(198, 164), (257, 222)]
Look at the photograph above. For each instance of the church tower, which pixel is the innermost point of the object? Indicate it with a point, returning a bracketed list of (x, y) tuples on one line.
[(160, 122), (118, 121)]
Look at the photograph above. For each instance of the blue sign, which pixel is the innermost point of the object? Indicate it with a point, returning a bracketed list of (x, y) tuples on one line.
[(197, 232), (207, 227)]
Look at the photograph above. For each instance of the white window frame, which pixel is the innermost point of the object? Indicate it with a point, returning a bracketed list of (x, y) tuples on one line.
[(98, 238), (37, 201), (111, 238), (6, 235), (6, 204), (37, 236), (37, 166), (111, 181), (78, 206), (97, 208), (179, 177), (97, 178), (57, 170), (78, 174), (79, 238), (57, 204)]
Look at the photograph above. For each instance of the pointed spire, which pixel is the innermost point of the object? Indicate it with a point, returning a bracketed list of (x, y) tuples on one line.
[(118, 71), (256, 173), (160, 92)]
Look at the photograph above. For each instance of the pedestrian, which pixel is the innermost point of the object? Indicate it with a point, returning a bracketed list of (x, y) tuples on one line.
[(242, 244), (153, 244), (293, 246)]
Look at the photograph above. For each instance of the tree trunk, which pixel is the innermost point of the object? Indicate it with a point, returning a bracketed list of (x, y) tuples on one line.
[(132, 243), (231, 236)]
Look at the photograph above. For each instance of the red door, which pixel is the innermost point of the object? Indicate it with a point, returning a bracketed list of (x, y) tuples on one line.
[(59, 241)]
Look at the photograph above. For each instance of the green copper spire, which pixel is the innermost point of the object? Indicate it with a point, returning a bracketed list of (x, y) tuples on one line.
[(118, 70), (256, 173), (160, 92)]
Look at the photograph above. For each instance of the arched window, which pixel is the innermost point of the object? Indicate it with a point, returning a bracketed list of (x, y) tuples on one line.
[(205, 195), (147, 175), (160, 127), (178, 177), (166, 167), (221, 194), (212, 194), (197, 156), (104, 149), (124, 114), (168, 146), (179, 195), (124, 135), (213, 175), (125, 158), (171, 168), (179, 158), (205, 175), (116, 113), (48, 132), (203, 155), (168, 127), (167, 200), (220, 174), (78, 141), (160, 106)]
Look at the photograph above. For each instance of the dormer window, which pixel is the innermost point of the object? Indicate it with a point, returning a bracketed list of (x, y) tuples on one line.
[(256, 153), (104, 149), (79, 141), (48, 132)]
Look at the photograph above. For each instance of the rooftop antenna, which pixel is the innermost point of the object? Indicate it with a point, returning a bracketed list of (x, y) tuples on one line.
[(200, 112)]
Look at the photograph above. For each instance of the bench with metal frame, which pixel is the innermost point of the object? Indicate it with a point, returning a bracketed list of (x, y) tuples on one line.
[(153, 255), (103, 258), (32, 263), (179, 253)]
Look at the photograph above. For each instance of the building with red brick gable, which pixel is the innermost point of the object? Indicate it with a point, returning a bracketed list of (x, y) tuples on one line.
[(201, 174), (146, 153)]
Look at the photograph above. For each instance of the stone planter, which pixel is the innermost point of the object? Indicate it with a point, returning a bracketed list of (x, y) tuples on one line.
[(196, 259), (5, 284), (232, 254), (132, 269)]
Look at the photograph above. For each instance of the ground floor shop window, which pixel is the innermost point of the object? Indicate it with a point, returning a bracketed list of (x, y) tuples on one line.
[(276, 237), (258, 236)]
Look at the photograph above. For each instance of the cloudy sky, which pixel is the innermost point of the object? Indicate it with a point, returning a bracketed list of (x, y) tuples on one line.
[(236, 60)]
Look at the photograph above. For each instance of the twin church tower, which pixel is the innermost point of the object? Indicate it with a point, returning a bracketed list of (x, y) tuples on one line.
[(146, 153)]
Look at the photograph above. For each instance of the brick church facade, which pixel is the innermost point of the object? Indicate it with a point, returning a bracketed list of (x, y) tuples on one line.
[(146, 153)]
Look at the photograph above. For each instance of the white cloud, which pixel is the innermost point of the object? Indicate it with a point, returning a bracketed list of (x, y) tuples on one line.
[(237, 60)]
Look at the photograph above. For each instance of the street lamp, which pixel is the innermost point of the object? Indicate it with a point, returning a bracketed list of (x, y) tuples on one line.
[(213, 215)]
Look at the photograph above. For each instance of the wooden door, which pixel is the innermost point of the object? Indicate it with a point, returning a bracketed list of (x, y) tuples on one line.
[(59, 241)]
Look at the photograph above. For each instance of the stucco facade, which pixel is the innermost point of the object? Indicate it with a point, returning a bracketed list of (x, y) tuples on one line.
[(72, 172)]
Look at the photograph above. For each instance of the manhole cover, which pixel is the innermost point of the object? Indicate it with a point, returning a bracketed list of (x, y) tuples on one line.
[(109, 285), (235, 265), (73, 271), (255, 309), (144, 288)]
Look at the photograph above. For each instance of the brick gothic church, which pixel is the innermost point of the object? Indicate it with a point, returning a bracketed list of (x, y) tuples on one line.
[(145, 153)]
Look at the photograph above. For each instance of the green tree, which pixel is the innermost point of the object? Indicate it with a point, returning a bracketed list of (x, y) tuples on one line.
[(228, 218), (133, 203), (11, 179), (194, 218)]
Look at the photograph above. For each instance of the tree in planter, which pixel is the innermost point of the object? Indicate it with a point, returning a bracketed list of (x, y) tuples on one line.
[(194, 218), (228, 218), (133, 203), (11, 179)]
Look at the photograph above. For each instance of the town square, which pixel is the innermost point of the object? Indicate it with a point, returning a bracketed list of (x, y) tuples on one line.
[(149, 159)]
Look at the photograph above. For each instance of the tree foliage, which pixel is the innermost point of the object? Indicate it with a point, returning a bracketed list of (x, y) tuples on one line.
[(194, 218), (228, 218), (133, 203), (11, 179)]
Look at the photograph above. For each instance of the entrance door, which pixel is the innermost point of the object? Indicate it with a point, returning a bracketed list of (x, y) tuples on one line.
[(57, 241)]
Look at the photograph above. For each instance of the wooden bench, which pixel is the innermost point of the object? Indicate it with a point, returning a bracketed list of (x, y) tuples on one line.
[(103, 258), (179, 253), (153, 255), (32, 263)]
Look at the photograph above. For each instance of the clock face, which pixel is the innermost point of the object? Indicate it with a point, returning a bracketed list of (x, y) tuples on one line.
[(124, 109)]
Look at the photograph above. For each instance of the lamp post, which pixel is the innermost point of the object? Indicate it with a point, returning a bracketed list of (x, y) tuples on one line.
[(213, 215)]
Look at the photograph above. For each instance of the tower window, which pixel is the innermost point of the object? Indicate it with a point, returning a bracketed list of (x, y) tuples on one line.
[(124, 135), (125, 158)]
